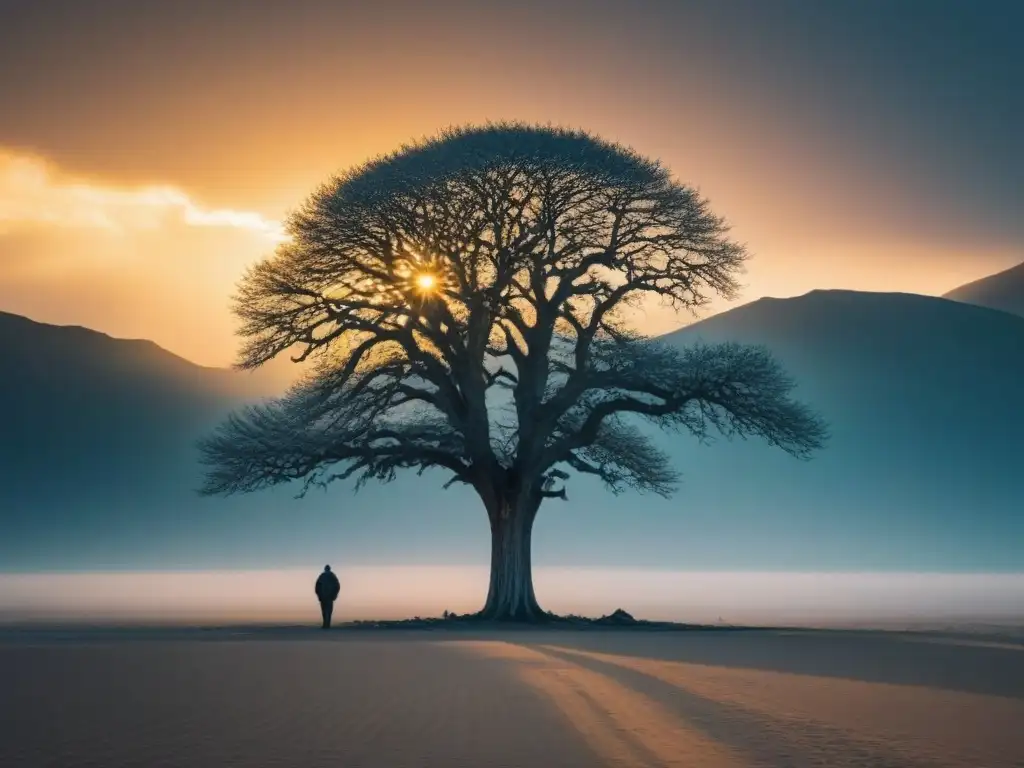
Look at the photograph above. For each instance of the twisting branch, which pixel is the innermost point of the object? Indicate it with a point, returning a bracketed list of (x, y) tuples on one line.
[(726, 389), (370, 429)]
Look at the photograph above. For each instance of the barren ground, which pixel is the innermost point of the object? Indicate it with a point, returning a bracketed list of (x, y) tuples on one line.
[(298, 697)]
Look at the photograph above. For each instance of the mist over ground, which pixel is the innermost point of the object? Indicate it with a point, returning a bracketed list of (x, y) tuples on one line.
[(896, 600)]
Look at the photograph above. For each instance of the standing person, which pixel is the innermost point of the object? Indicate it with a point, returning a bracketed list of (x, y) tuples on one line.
[(327, 588)]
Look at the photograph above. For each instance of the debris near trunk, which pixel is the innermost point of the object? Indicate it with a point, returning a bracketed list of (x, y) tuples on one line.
[(618, 617), (449, 620)]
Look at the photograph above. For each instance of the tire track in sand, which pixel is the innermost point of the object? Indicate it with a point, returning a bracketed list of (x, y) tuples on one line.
[(623, 728), (916, 724)]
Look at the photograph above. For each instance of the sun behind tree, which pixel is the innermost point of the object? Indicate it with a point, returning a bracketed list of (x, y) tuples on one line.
[(463, 302)]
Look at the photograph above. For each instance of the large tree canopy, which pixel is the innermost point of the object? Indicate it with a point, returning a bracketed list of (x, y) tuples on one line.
[(465, 303)]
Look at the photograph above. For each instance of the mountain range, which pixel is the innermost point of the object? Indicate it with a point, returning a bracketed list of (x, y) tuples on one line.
[(922, 472)]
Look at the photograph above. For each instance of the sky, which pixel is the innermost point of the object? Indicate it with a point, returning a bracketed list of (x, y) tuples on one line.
[(149, 151)]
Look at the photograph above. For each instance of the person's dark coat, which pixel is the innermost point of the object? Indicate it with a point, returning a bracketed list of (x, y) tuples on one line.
[(327, 587)]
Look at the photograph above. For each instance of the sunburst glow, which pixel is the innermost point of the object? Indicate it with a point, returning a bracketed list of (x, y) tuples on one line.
[(426, 282)]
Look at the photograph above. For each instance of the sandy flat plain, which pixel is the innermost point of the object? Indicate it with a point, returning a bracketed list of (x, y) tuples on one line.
[(392, 698)]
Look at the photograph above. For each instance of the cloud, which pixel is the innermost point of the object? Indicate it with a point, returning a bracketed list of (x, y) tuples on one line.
[(36, 194)]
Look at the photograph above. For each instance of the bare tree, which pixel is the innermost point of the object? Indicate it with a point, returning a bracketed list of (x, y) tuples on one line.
[(465, 303)]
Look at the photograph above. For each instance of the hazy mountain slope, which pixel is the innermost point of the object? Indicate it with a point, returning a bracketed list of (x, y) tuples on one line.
[(98, 467), (76, 395), (1003, 290), (923, 468), (97, 436)]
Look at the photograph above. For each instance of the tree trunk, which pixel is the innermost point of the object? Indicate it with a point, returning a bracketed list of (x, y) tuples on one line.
[(510, 596)]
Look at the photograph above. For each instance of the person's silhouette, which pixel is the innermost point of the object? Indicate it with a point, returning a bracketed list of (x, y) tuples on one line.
[(327, 588)]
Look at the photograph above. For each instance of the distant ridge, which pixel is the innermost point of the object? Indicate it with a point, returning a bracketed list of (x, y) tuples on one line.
[(922, 395), (29, 343), (1003, 291), (97, 438), (73, 399)]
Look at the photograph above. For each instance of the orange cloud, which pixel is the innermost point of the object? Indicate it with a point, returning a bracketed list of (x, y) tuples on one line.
[(34, 193)]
